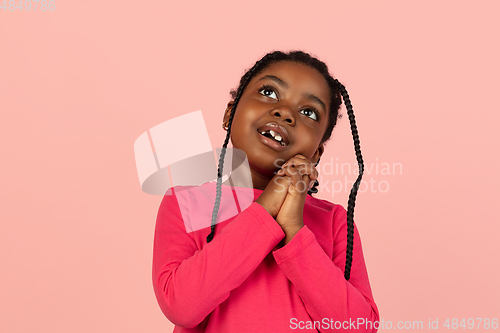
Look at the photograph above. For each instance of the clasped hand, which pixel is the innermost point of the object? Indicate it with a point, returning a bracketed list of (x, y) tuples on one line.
[(285, 195)]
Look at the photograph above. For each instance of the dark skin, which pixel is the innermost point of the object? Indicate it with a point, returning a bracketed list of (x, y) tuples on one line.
[(286, 174)]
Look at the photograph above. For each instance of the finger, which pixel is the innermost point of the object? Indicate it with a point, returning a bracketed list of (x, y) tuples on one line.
[(307, 180), (309, 175), (307, 169), (297, 159), (301, 185), (295, 162), (297, 178), (282, 183), (301, 170)]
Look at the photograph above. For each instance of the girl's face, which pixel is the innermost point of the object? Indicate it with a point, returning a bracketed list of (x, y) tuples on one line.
[(292, 99)]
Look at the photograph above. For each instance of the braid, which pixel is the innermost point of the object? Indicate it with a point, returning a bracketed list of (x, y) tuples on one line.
[(355, 186), (316, 183), (337, 90), (218, 193)]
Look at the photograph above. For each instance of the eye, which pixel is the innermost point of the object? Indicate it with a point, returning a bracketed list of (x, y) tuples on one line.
[(311, 113), (268, 91)]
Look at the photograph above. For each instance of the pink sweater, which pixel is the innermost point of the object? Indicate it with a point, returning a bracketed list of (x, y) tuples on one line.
[(239, 283)]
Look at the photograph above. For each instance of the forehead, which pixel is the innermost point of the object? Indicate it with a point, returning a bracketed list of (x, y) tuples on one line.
[(298, 76)]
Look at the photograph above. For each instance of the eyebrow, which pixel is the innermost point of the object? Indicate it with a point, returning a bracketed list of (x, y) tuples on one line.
[(279, 81)]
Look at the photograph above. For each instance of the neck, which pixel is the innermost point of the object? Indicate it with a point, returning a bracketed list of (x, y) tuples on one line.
[(242, 175), (243, 179)]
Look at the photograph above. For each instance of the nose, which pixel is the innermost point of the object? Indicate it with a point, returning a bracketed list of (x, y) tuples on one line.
[(284, 113)]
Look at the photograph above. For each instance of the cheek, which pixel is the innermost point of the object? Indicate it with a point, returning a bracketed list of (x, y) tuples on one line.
[(239, 130), (243, 118), (238, 127), (309, 144)]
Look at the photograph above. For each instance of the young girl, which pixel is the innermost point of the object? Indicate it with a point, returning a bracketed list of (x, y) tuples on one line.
[(288, 261)]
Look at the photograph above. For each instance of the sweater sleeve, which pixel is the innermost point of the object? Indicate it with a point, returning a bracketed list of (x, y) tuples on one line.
[(190, 282), (320, 281)]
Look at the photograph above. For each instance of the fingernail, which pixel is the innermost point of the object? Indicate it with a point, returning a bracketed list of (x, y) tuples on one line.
[(311, 184)]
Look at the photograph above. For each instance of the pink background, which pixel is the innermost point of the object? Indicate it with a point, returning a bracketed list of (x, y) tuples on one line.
[(78, 85)]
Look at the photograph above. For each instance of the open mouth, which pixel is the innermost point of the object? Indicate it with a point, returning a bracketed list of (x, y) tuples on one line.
[(274, 135)]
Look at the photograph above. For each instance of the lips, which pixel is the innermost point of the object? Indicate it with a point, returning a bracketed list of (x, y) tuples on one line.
[(281, 130)]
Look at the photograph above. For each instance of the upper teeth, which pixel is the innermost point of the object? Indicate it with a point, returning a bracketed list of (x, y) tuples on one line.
[(275, 135)]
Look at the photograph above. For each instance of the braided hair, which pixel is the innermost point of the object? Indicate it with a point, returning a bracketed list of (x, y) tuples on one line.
[(337, 93)]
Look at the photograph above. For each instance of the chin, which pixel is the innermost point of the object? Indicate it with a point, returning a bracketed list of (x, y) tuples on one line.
[(265, 160), (265, 165)]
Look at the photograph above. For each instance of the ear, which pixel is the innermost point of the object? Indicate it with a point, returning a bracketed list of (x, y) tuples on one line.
[(318, 153), (227, 113)]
